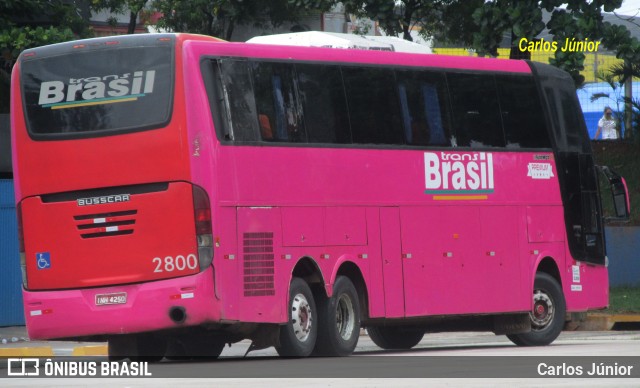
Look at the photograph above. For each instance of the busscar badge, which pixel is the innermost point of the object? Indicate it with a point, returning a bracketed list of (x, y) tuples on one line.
[(104, 199)]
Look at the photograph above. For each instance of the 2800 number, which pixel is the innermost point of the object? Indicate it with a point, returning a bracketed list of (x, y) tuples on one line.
[(179, 263)]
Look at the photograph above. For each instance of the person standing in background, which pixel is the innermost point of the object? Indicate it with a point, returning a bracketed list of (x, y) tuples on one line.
[(607, 125)]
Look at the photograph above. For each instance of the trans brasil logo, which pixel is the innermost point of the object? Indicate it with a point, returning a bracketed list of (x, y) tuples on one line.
[(108, 89), (458, 175)]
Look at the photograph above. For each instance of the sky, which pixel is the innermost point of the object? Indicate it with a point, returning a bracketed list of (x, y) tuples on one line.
[(629, 7)]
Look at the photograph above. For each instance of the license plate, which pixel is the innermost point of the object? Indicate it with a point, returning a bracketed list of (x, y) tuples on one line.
[(115, 298)]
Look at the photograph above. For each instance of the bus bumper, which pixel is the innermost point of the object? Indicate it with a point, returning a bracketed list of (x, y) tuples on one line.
[(122, 309)]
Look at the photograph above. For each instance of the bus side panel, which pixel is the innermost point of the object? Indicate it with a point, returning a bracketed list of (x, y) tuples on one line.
[(376, 263), (226, 260), (263, 283), (395, 282), (500, 256), (585, 285), (461, 259)]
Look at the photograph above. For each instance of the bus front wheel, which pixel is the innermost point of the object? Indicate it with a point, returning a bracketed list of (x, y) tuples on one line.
[(298, 336), (395, 337), (339, 320), (547, 315)]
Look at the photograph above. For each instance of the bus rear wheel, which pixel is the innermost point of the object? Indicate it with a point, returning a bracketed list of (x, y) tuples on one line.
[(395, 337), (298, 336), (339, 320), (547, 315)]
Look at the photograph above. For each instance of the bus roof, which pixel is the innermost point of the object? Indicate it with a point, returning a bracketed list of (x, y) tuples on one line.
[(206, 45), (372, 57)]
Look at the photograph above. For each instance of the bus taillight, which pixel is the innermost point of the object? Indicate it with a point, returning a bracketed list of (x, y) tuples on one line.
[(204, 236), (23, 261)]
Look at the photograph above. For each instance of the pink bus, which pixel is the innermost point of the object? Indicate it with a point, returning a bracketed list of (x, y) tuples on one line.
[(177, 193)]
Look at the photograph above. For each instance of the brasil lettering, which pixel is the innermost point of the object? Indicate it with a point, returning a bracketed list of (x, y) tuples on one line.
[(98, 90), (458, 176)]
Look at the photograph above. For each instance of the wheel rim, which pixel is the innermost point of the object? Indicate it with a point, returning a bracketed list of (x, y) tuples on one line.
[(301, 317), (543, 310), (345, 317)]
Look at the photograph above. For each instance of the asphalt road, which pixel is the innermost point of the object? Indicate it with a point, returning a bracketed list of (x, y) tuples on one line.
[(451, 360)]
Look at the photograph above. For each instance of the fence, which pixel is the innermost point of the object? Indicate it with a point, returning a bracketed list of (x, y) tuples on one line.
[(11, 312), (623, 245)]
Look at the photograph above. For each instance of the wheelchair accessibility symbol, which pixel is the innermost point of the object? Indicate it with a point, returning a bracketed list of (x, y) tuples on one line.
[(43, 260)]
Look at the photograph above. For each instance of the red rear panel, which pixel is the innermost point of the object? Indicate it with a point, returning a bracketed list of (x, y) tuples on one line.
[(94, 238)]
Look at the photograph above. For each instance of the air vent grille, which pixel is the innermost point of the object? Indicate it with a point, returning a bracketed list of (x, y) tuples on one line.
[(258, 264), (106, 224)]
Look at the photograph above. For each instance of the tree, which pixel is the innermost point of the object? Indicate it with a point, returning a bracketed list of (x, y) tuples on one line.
[(220, 17), (520, 19), (452, 23), (394, 19), (134, 7), (445, 20), (30, 23), (580, 19)]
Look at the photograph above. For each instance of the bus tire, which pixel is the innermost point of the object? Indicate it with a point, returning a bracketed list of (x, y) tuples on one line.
[(339, 320), (547, 316), (298, 336), (395, 337)]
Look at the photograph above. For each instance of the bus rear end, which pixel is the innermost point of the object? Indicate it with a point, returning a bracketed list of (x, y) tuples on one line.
[(114, 237)]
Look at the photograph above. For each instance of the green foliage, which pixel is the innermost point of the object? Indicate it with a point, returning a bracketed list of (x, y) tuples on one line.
[(570, 61), (446, 20), (393, 18), (624, 300), (17, 39), (452, 22), (30, 23), (579, 19), (492, 23), (133, 7), (219, 17), (522, 19)]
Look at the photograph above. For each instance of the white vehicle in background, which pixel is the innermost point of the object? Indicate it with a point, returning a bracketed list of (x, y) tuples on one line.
[(346, 41)]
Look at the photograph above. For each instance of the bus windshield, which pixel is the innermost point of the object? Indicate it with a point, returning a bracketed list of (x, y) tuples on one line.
[(97, 92)]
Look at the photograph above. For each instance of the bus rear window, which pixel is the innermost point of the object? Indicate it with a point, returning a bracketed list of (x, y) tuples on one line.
[(98, 92)]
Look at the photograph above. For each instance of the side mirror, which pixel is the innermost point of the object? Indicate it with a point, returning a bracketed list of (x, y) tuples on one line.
[(619, 192)]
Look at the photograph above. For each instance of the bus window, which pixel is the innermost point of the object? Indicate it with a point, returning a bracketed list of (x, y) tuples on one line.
[(276, 99), (475, 110), (423, 105), (98, 92), (374, 110), (324, 103), (573, 123), (239, 103), (524, 125)]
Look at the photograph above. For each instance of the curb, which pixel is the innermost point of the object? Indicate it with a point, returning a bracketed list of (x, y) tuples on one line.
[(41, 351), (605, 322), (47, 351), (96, 350)]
